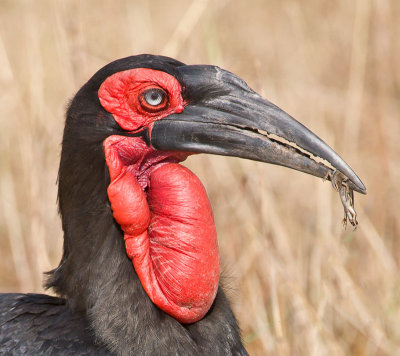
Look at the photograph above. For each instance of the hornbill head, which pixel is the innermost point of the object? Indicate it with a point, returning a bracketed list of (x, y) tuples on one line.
[(143, 115)]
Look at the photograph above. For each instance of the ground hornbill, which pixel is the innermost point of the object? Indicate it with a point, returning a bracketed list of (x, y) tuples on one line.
[(124, 199)]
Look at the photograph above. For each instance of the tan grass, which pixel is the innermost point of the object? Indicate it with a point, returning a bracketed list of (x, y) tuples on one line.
[(300, 284)]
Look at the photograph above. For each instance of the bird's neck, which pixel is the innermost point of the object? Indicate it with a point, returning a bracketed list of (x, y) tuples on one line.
[(96, 275)]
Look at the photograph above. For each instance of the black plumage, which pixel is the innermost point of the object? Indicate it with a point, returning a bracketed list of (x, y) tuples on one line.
[(43, 325), (103, 307)]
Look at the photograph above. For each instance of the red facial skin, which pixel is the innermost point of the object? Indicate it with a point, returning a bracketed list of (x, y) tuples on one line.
[(161, 206)]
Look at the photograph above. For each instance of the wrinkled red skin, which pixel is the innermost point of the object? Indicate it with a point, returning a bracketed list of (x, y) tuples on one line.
[(161, 206), (119, 95)]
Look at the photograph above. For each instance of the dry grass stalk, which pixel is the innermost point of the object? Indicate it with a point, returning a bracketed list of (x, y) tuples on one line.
[(300, 284)]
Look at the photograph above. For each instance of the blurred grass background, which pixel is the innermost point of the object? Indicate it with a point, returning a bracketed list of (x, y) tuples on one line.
[(300, 283)]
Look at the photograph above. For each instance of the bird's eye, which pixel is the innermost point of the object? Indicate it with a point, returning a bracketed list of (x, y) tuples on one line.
[(153, 100), (154, 97)]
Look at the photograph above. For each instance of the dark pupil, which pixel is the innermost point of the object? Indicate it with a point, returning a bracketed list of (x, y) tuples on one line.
[(154, 97)]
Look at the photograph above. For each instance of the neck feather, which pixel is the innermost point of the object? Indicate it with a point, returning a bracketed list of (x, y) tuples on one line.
[(96, 276)]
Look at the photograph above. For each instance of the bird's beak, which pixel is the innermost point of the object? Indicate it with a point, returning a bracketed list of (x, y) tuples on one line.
[(225, 117)]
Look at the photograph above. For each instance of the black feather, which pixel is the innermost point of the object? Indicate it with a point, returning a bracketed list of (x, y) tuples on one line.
[(103, 307), (37, 324)]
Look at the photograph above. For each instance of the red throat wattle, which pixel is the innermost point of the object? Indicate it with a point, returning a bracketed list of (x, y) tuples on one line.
[(161, 206)]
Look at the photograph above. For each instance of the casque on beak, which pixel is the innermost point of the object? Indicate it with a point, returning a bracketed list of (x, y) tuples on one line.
[(225, 117)]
